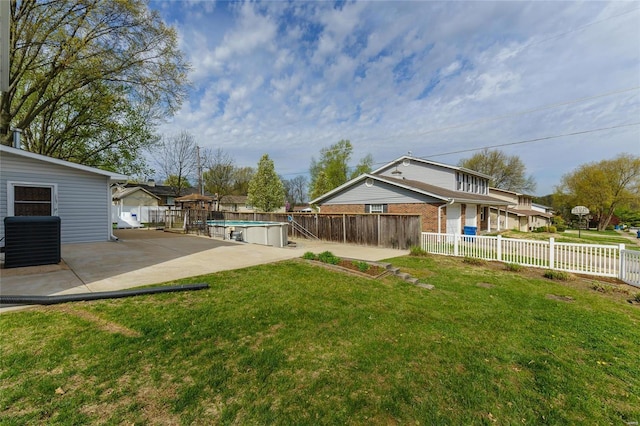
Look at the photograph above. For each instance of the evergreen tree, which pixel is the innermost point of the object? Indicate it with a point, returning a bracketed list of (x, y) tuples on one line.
[(266, 192)]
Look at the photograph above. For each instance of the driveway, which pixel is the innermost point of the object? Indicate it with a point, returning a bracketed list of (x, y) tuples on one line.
[(142, 257)]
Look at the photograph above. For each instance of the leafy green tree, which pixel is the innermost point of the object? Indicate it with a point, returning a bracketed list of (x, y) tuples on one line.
[(602, 187), (266, 192), (89, 80), (241, 179), (332, 170), (507, 172), (364, 166), (176, 182)]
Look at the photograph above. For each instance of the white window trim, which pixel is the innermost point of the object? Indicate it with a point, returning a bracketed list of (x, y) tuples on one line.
[(379, 208), (11, 195)]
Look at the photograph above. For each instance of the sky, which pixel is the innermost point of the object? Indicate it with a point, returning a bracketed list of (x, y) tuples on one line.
[(555, 83)]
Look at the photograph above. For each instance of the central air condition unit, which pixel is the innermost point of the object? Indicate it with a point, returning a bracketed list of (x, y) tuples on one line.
[(31, 241)]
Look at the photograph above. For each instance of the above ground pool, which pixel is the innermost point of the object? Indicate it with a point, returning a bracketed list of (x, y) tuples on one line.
[(256, 232)]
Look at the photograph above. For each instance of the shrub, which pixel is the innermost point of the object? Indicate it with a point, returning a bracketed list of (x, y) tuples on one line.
[(553, 229), (362, 266), (328, 257), (513, 267), (309, 256), (561, 228), (417, 251), (474, 261), (540, 229), (556, 275), (602, 288)]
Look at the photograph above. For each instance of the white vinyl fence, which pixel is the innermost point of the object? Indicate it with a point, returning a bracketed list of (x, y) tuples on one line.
[(143, 214), (590, 259)]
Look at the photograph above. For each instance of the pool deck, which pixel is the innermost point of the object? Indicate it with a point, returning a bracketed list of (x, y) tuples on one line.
[(142, 257)]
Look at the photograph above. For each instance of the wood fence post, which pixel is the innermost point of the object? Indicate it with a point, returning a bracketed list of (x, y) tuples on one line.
[(499, 248), (344, 228), (552, 253), (379, 229)]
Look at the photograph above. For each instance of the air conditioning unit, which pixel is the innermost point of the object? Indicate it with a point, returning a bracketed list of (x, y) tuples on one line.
[(31, 241)]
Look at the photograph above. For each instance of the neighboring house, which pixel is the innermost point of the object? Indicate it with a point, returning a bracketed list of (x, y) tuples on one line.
[(166, 194), (519, 214), (133, 197), (36, 185), (134, 205), (449, 198), (234, 203)]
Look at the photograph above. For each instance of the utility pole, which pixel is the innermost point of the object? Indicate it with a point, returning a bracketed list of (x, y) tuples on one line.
[(200, 181)]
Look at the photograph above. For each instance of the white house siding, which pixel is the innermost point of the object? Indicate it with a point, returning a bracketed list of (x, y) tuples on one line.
[(427, 173), (83, 197), (379, 193)]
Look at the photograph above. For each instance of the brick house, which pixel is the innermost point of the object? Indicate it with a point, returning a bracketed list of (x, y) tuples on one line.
[(449, 198)]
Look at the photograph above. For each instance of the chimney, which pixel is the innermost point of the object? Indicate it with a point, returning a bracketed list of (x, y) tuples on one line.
[(151, 182), (16, 138)]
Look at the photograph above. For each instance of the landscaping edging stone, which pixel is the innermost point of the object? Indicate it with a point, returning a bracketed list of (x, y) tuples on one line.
[(388, 269)]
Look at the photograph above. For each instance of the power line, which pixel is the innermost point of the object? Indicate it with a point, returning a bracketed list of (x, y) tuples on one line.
[(515, 114), (544, 138), (503, 116)]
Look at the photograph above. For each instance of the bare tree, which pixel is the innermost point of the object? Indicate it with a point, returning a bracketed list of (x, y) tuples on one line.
[(177, 160), (219, 173), (295, 190)]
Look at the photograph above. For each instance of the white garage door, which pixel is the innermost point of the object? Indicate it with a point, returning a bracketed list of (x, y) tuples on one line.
[(453, 219)]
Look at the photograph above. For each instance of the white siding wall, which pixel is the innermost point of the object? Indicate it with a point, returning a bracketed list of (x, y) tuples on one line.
[(83, 198), (427, 173), (379, 193)]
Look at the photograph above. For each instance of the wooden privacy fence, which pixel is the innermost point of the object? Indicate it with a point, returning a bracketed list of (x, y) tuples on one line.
[(590, 259), (382, 230)]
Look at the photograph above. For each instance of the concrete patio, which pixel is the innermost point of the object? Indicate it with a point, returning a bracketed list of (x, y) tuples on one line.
[(142, 257)]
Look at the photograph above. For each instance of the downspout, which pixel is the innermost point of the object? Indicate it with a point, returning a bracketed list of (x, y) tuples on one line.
[(449, 202), (110, 213)]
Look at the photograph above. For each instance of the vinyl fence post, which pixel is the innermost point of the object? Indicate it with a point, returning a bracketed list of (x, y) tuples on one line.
[(499, 248), (456, 239), (621, 265), (552, 253)]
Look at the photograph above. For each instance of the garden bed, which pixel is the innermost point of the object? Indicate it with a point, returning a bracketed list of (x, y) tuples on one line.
[(355, 266)]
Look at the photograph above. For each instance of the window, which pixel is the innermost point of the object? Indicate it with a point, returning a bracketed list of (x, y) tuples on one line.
[(32, 199), (376, 208)]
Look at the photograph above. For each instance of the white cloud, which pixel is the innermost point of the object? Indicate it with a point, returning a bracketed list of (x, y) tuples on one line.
[(430, 77)]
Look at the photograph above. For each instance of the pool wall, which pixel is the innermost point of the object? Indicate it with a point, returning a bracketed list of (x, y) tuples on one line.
[(266, 233)]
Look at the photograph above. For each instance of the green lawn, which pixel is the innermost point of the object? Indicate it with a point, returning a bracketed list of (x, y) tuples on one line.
[(583, 237), (294, 343)]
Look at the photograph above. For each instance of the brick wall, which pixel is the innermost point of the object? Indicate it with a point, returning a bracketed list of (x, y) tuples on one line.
[(429, 212), (342, 208)]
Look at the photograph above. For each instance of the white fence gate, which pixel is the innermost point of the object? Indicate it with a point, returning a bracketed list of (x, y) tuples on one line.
[(590, 259)]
